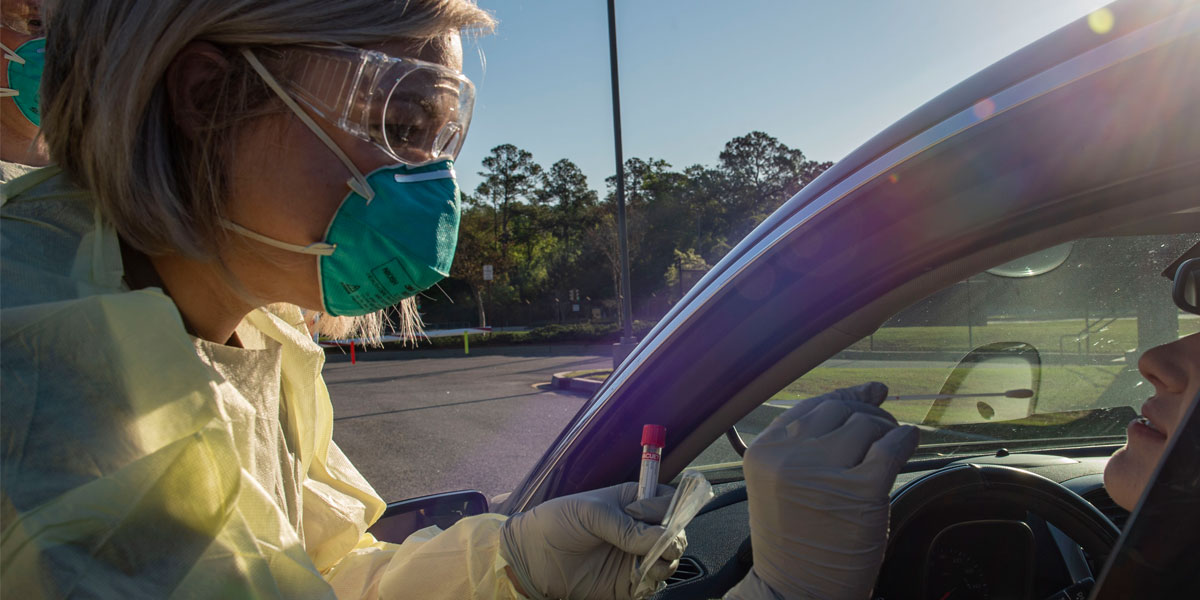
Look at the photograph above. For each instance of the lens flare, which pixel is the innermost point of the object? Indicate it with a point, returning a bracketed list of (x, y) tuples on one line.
[(1101, 21), (893, 178), (984, 108)]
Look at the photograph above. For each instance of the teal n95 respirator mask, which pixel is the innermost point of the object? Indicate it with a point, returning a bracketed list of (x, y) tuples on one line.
[(24, 67), (395, 232)]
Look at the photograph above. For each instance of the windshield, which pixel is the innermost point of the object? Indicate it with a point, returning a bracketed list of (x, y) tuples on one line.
[(1037, 353)]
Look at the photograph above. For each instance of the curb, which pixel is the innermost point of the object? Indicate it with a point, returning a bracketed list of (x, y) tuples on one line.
[(560, 381)]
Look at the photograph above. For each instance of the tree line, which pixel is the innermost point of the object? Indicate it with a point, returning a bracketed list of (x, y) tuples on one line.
[(552, 241)]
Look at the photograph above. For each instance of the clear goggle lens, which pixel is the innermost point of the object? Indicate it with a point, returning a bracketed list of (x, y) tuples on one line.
[(416, 111)]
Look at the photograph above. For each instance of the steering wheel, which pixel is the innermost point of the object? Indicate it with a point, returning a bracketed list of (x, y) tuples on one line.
[(971, 492)]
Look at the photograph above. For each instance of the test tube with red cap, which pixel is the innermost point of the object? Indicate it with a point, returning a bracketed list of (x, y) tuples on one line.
[(654, 437)]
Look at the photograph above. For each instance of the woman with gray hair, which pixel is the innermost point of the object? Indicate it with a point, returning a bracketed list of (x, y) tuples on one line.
[(220, 165)]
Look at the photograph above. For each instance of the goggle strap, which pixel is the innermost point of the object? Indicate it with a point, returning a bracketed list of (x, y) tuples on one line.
[(357, 181)]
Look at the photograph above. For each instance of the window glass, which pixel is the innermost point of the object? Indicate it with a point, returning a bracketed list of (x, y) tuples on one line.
[(1038, 352)]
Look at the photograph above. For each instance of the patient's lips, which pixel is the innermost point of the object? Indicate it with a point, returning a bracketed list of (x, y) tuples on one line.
[(1163, 411), (1149, 426), (1146, 422)]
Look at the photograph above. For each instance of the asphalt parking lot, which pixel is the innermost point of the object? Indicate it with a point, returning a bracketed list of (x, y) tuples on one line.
[(422, 422), (429, 421)]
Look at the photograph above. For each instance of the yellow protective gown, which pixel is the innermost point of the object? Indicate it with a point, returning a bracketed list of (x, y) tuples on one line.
[(139, 462), (11, 170)]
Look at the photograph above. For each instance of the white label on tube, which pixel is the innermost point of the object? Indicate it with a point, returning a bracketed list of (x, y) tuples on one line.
[(648, 479)]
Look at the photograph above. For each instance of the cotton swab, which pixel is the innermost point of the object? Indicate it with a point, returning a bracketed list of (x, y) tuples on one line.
[(1021, 393)]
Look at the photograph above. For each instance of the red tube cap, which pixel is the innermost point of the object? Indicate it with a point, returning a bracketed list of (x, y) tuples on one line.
[(654, 435)]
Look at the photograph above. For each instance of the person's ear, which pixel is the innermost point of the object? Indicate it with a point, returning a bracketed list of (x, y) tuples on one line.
[(194, 78)]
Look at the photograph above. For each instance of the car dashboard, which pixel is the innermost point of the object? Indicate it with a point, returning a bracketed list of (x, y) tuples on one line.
[(990, 558)]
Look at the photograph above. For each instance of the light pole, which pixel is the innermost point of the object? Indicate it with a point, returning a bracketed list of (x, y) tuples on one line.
[(628, 342)]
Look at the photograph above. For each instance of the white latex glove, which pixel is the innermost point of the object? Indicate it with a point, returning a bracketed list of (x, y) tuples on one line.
[(817, 480), (584, 545)]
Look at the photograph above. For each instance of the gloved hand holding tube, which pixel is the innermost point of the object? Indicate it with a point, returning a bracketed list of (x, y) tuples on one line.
[(584, 545), (817, 480)]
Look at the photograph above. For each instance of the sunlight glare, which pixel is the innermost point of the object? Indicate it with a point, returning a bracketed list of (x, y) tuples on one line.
[(1101, 21), (984, 108)]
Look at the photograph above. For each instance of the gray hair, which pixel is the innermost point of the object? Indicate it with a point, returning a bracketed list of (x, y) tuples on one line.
[(107, 120)]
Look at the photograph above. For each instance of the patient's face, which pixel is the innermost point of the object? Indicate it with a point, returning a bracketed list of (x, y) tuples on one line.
[(1174, 371)]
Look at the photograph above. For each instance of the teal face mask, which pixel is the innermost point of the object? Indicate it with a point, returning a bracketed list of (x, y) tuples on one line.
[(378, 252), (24, 71), (394, 246)]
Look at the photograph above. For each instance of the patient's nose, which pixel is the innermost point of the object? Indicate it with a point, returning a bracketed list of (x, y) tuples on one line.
[(1166, 366)]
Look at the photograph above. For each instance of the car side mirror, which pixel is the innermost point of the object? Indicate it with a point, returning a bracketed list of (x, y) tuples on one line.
[(994, 382), (402, 519), (1186, 291)]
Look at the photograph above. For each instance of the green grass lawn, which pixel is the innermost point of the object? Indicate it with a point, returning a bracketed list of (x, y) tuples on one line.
[(1063, 388), (1116, 338)]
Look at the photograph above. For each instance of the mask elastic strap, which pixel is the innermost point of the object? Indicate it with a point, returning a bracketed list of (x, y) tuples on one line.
[(358, 183), (10, 54), (318, 248)]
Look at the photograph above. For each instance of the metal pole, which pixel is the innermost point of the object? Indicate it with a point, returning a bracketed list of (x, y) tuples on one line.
[(970, 331), (622, 232)]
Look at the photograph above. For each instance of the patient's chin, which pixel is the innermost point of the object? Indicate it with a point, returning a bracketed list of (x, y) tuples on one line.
[(1126, 476)]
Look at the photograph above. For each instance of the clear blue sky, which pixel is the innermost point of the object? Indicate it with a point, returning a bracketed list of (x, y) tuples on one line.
[(820, 76)]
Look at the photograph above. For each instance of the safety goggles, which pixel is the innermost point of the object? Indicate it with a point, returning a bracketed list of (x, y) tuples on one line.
[(416, 111), (1186, 290)]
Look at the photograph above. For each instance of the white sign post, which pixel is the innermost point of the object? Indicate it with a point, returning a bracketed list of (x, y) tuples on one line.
[(487, 272)]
